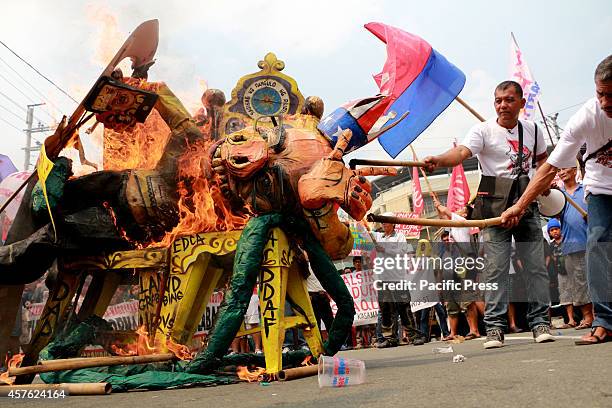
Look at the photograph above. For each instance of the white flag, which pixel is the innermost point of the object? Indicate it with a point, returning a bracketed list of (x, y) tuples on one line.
[(519, 72)]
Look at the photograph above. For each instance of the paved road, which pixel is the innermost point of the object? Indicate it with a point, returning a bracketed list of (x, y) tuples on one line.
[(522, 374)]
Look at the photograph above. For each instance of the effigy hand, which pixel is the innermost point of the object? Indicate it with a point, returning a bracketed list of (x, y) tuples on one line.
[(330, 180)]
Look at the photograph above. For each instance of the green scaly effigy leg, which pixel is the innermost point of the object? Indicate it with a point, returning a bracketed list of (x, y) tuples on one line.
[(249, 256)]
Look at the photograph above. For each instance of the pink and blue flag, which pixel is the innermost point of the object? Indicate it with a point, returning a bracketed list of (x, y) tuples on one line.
[(416, 79)]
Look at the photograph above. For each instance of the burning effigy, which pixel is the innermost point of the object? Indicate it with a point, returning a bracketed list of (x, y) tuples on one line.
[(236, 194)]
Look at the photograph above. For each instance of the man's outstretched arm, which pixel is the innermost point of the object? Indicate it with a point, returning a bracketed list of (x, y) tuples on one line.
[(450, 158), (540, 183)]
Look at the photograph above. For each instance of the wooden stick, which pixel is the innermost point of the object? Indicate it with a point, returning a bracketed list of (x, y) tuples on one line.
[(299, 372), (468, 107), (431, 192), (575, 205), (92, 362), (546, 124), (359, 162), (64, 360), (435, 222), (70, 388)]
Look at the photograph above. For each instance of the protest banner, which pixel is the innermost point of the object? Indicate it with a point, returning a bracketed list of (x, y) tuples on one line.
[(361, 286)]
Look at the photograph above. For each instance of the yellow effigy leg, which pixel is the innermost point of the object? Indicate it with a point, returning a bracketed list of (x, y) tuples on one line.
[(60, 296), (278, 279), (272, 291)]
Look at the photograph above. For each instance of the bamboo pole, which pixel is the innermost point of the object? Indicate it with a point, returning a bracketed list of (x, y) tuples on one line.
[(398, 163), (431, 192), (69, 388), (63, 360), (435, 222), (469, 108), (299, 372), (546, 124), (575, 205), (91, 362)]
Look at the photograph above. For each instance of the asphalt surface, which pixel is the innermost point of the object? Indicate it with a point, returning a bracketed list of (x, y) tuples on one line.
[(521, 374)]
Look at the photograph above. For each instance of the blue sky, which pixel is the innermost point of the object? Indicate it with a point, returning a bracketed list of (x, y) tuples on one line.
[(323, 44)]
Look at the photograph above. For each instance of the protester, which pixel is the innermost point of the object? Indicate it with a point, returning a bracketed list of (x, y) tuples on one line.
[(251, 321), (392, 303), (592, 124), (574, 233), (506, 149), (319, 299), (557, 261)]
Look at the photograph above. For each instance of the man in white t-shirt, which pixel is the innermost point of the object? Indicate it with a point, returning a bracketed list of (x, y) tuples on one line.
[(592, 124), (496, 143), (389, 244)]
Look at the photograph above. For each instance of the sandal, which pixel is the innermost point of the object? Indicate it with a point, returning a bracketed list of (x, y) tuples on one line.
[(592, 338), (448, 338), (472, 336), (583, 325)]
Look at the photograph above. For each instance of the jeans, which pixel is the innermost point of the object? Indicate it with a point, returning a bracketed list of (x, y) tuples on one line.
[(439, 309), (379, 336), (599, 264), (528, 236)]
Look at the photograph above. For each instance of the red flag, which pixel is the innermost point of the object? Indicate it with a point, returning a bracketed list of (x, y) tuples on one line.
[(459, 191), (417, 194)]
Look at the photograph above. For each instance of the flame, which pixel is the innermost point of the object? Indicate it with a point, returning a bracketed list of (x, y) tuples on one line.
[(250, 376), (181, 351), (14, 362), (307, 361), (108, 37), (202, 207), (127, 350), (138, 148)]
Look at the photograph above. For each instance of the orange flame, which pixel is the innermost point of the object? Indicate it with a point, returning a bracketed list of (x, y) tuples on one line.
[(250, 376), (181, 351), (307, 361), (14, 362), (202, 207)]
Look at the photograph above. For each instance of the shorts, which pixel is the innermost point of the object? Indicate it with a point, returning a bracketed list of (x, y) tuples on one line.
[(252, 314), (454, 308), (573, 285)]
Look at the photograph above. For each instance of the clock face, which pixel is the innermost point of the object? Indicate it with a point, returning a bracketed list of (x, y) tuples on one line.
[(266, 97)]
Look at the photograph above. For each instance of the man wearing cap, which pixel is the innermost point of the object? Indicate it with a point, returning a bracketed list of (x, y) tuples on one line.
[(592, 124)]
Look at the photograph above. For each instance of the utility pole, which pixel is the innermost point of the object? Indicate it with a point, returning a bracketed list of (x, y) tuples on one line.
[(555, 125), (28, 147)]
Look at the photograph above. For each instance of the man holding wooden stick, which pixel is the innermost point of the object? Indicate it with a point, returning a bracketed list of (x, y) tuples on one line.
[(592, 124), (506, 149)]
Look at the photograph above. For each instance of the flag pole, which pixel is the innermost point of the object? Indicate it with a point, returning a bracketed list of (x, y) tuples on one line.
[(538, 102), (431, 193), (469, 108)]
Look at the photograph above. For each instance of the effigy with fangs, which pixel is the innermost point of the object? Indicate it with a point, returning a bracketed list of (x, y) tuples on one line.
[(237, 193)]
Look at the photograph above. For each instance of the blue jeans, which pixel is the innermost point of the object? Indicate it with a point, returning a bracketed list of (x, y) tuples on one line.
[(599, 263), (439, 309), (497, 244)]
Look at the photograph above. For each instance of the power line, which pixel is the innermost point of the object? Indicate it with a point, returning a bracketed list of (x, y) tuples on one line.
[(13, 101), (570, 107), (38, 72), (11, 112), (21, 92), (10, 124), (17, 89), (31, 86)]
